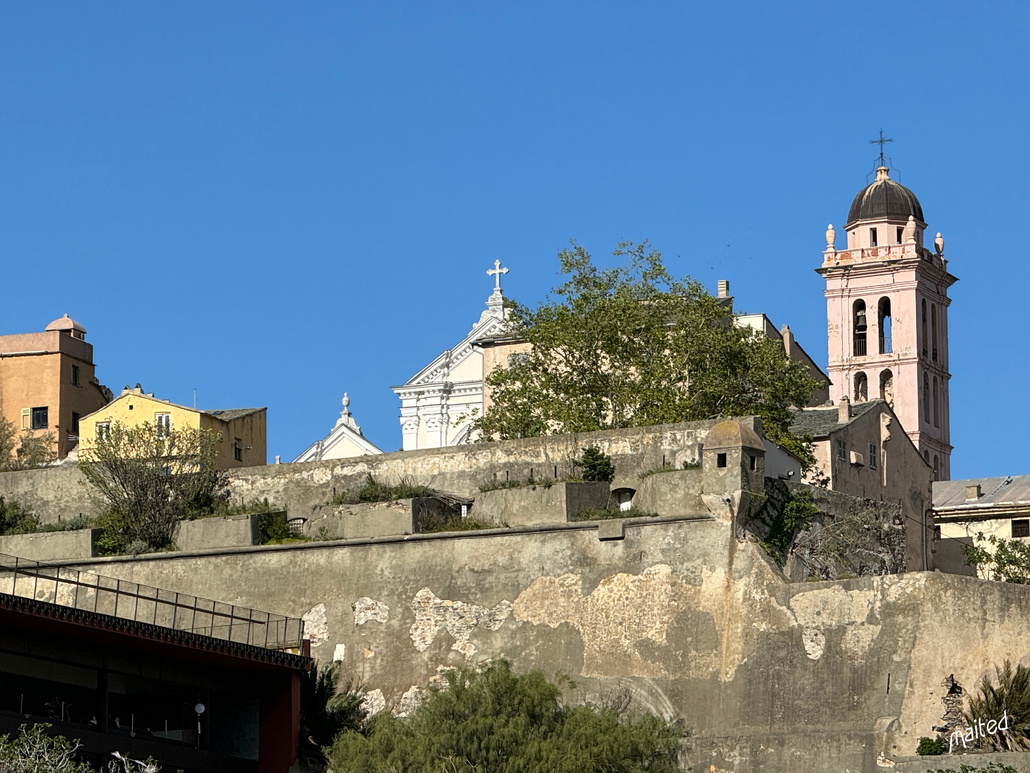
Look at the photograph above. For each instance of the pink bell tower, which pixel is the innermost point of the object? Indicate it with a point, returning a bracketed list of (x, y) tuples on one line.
[(887, 309)]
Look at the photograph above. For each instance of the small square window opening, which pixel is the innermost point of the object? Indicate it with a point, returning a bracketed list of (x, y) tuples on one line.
[(720, 460), (1021, 528), (40, 418)]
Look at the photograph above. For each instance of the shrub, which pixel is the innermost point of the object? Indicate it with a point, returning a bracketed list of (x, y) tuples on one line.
[(1010, 695), (611, 511), (15, 519), (34, 750), (929, 746), (276, 530), (795, 515), (489, 718), (596, 465), (373, 490)]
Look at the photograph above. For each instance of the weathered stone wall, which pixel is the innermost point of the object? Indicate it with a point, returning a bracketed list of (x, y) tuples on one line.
[(768, 675), (58, 493)]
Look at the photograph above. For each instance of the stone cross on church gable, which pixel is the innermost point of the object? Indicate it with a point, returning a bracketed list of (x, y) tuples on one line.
[(496, 272)]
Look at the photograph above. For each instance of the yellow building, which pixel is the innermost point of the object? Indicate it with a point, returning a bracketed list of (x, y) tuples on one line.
[(242, 429)]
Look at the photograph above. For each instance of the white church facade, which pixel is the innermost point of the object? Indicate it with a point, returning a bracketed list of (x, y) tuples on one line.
[(440, 402)]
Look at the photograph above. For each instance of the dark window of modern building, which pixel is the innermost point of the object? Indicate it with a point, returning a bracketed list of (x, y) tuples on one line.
[(40, 418), (75, 375)]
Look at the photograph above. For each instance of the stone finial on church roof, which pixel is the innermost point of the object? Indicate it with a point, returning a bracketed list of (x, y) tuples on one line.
[(346, 417)]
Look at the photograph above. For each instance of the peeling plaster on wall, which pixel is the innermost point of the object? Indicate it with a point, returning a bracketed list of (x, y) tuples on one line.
[(858, 639), (316, 627), (626, 615), (339, 653), (814, 642), (459, 618), (373, 702), (832, 607), (410, 701), (366, 609)]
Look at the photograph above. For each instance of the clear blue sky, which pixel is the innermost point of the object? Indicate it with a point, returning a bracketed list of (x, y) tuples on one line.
[(276, 202)]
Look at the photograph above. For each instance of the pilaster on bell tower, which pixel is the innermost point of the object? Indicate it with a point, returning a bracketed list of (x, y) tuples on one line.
[(887, 312)]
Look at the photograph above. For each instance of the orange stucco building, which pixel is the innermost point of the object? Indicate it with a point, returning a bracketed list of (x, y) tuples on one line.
[(47, 382)]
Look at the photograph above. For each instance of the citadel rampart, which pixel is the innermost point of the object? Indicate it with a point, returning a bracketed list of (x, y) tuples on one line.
[(684, 612)]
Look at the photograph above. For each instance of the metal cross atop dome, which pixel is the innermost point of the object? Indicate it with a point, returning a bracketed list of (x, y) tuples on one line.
[(496, 272), (881, 142)]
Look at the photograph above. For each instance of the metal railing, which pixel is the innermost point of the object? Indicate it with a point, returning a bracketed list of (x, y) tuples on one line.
[(91, 592)]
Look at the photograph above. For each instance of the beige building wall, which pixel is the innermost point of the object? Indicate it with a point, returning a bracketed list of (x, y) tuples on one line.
[(243, 431), (52, 370)]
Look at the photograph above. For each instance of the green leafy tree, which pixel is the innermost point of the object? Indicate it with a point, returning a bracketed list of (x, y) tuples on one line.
[(144, 479), (27, 452), (1004, 560), (596, 465), (326, 711), (631, 346), (489, 718)]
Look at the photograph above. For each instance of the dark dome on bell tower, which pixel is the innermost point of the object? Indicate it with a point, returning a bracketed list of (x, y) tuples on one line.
[(884, 199)]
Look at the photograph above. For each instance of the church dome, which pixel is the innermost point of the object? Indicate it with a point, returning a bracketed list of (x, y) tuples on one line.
[(884, 199), (66, 323)]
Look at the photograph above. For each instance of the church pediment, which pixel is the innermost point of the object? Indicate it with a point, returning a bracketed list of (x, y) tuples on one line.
[(447, 362)]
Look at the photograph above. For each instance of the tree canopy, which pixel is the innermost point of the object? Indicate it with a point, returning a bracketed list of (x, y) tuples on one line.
[(146, 478), (632, 346), (488, 718)]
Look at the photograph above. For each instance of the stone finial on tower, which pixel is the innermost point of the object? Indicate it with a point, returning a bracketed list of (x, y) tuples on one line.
[(939, 243), (910, 230), (831, 237)]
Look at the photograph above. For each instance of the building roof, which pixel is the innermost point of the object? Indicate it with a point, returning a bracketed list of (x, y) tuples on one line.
[(233, 413), (65, 323), (884, 199), (994, 492), (820, 422)]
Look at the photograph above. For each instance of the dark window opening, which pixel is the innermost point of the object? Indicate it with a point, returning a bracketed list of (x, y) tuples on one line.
[(926, 398), (1021, 528), (872, 236), (933, 331), (925, 350), (936, 403), (872, 456), (75, 375), (720, 460), (884, 313), (237, 449), (861, 387), (40, 418), (754, 462), (901, 231), (859, 328), (842, 449), (75, 423)]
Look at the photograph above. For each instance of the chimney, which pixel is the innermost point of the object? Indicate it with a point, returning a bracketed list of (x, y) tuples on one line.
[(973, 492), (844, 410), (724, 288)]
